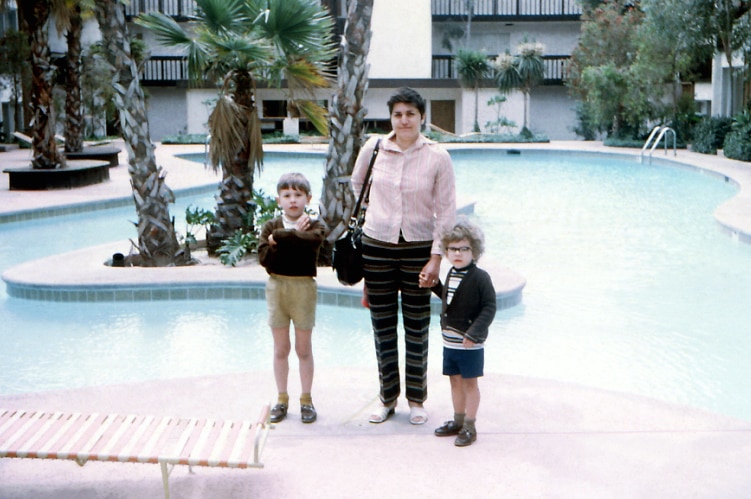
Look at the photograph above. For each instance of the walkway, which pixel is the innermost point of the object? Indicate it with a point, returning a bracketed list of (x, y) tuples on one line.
[(537, 438)]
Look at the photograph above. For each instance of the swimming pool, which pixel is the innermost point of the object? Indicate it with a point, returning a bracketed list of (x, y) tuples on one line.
[(630, 287)]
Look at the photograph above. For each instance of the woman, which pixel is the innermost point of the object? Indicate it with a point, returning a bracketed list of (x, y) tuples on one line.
[(412, 201)]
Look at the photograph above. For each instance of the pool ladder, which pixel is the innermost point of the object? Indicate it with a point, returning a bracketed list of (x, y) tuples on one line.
[(659, 131), (206, 146)]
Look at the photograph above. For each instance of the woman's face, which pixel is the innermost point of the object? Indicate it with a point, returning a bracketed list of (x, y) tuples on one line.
[(405, 120)]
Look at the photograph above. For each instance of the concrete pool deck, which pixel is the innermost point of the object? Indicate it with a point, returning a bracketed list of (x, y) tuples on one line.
[(537, 438)]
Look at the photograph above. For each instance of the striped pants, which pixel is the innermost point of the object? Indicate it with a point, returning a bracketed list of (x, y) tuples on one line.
[(391, 270)]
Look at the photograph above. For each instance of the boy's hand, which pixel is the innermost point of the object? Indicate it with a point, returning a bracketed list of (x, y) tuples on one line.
[(271, 240), (467, 343), (303, 223)]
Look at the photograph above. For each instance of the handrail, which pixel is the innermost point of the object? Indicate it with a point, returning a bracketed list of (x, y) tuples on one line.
[(660, 131), (206, 146)]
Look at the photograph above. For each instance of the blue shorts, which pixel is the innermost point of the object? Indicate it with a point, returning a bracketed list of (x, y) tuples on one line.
[(468, 363)]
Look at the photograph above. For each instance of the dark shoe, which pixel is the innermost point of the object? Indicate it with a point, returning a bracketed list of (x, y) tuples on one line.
[(278, 413), (465, 438), (308, 413), (449, 428)]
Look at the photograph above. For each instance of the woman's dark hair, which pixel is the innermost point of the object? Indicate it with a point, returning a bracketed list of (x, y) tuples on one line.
[(409, 96)]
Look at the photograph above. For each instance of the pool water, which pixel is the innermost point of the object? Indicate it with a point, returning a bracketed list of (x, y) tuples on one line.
[(631, 286)]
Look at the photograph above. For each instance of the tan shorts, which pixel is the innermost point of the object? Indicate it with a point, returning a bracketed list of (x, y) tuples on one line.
[(291, 299)]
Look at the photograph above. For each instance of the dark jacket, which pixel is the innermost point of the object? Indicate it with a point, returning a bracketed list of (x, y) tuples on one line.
[(472, 308), (295, 253)]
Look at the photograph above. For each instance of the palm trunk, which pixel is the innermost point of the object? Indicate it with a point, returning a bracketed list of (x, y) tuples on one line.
[(347, 115), (45, 154), (73, 115), (235, 201), (157, 243)]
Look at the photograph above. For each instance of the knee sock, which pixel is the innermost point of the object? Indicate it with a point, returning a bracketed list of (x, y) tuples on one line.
[(459, 419), (306, 399), (470, 425), (283, 398)]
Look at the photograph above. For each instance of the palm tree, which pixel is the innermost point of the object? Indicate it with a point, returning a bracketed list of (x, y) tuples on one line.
[(472, 66), (346, 117), (157, 242), (34, 17), (237, 43), (522, 72)]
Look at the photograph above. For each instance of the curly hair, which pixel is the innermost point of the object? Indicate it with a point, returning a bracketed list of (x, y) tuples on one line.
[(464, 229)]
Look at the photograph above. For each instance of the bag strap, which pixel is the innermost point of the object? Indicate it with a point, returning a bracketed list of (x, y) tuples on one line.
[(365, 191)]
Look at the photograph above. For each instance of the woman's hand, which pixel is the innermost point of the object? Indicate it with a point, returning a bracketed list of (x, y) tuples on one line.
[(429, 273)]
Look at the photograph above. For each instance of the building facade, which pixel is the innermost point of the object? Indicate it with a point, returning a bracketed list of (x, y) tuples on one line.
[(411, 45)]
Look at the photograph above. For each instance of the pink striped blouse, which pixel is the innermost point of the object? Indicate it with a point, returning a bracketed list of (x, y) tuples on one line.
[(412, 191)]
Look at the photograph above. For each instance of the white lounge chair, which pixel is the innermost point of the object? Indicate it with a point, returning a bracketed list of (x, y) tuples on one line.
[(136, 439)]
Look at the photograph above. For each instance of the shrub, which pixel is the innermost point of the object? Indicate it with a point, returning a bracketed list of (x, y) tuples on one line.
[(709, 134), (738, 143)]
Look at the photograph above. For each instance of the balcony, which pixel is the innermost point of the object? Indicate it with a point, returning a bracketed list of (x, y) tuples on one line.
[(165, 71), (179, 10), (507, 10), (555, 68)]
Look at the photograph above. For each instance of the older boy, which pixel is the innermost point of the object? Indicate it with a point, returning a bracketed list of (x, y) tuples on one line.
[(289, 250)]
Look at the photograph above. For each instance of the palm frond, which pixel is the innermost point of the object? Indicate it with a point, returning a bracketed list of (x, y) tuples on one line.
[(295, 28), (303, 75), (241, 51), (225, 126), (317, 114), (222, 16), (166, 29), (255, 158)]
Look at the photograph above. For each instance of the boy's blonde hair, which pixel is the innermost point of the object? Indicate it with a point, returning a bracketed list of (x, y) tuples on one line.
[(296, 181), (464, 229)]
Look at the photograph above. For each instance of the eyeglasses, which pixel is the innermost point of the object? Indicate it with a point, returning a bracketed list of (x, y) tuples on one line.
[(463, 249)]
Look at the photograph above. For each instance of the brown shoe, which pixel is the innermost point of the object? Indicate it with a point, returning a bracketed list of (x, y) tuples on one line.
[(308, 413), (465, 438), (278, 413), (449, 428)]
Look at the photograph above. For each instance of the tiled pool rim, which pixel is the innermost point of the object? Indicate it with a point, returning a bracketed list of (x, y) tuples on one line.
[(343, 297)]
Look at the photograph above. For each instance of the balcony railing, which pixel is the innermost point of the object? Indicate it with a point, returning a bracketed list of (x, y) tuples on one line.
[(164, 70), (178, 9), (507, 10), (168, 70), (444, 67)]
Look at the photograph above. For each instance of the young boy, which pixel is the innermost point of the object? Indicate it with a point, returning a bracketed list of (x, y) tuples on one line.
[(288, 250), (468, 308)]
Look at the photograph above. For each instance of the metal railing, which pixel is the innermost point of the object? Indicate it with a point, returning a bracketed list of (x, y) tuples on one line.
[(444, 67), (178, 9), (659, 132), (507, 9)]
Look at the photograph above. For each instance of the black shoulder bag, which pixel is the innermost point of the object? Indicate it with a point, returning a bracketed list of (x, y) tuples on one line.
[(347, 260)]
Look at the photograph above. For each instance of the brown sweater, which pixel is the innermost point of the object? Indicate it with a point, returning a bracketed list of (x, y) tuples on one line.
[(295, 252)]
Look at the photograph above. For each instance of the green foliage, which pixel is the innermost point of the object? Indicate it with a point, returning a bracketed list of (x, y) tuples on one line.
[(600, 70), (585, 127), (488, 138), (236, 247), (195, 219), (472, 66), (266, 207), (185, 138), (709, 134), (245, 241), (737, 143), (501, 122)]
